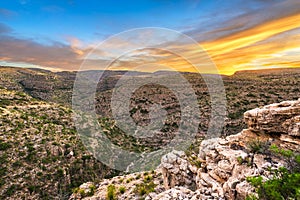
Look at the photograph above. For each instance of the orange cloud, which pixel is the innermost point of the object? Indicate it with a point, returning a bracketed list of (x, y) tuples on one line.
[(234, 52), (271, 43)]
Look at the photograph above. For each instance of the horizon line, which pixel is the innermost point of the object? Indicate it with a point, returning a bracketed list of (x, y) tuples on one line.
[(124, 70)]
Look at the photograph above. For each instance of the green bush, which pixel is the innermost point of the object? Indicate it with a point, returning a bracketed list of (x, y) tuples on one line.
[(81, 192), (138, 176), (122, 189), (257, 146), (33, 188), (283, 152), (284, 183), (75, 190), (4, 145), (11, 190), (144, 188), (129, 180), (240, 160), (92, 190), (5, 102), (146, 173), (147, 179), (251, 197), (111, 193)]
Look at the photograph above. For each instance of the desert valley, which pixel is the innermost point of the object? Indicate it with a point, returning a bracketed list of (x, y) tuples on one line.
[(42, 156)]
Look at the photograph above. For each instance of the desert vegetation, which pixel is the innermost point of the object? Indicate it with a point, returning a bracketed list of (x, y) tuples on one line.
[(42, 156), (40, 152)]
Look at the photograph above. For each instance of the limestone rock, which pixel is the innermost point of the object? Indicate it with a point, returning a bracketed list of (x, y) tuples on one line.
[(281, 117), (176, 193), (227, 162), (177, 171)]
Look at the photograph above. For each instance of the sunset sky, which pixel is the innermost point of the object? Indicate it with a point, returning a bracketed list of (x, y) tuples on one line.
[(236, 34)]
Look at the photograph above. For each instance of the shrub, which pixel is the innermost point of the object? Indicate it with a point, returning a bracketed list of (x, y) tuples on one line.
[(257, 146), (81, 192), (251, 197), (75, 190), (129, 180), (33, 188), (292, 159), (39, 173), (122, 189), (240, 160), (146, 173), (247, 160), (4, 102), (138, 176), (284, 183), (4, 146), (148, 179), (3, 171), (111, 193), (11, 190), (283, 152), (144, 188), (195, 161), (92, 190)]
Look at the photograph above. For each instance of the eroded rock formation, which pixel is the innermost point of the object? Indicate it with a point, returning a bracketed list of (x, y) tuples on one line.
[(281, 117), (225, 163)]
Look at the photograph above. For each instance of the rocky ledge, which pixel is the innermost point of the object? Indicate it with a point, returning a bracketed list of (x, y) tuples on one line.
[(222, 165), (279, 118)]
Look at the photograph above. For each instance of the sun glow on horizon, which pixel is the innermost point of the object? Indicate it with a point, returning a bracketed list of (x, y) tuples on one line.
[(257, 35)]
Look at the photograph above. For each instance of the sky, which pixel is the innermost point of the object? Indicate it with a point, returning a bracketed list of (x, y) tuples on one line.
[(235, 34)]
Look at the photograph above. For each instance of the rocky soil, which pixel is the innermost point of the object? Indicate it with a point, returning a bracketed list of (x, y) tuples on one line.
[(245, 90), (41, 156)]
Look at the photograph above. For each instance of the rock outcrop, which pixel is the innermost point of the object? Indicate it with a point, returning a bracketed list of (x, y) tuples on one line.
[(173, 194), (280, 118), (225, 163), (177, 170)]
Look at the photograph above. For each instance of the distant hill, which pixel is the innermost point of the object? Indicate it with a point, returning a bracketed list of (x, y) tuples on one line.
[(268, 71)]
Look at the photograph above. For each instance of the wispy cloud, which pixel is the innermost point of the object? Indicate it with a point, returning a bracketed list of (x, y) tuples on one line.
[(53, 9), (57, 55), (257, 42), (5, 29), (224, 22), (259, 37), (7, 13)]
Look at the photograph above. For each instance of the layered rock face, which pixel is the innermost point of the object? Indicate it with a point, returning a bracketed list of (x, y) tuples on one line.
[(281, 117), (225, 163)]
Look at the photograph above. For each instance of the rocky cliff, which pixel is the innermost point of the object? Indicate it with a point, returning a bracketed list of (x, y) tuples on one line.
[(222, 165)]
